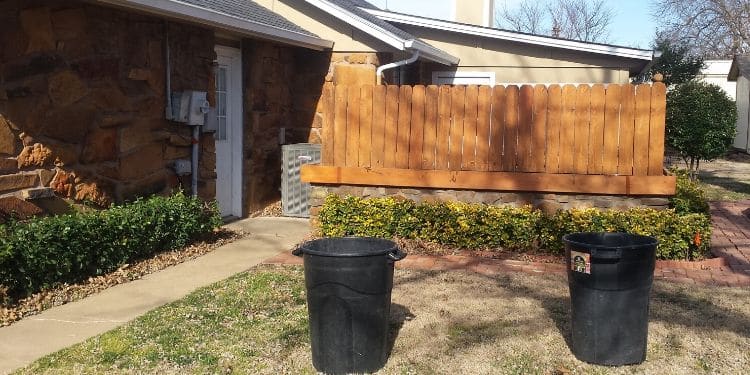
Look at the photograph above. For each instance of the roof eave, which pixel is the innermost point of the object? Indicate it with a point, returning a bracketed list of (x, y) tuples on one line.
[(221, 21), (426, 51), (626, 52)]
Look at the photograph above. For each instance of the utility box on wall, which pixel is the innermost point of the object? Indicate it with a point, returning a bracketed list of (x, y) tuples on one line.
[(295, 194), (189, 107)]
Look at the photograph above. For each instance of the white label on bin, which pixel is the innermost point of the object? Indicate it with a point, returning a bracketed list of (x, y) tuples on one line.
[(580, 262)]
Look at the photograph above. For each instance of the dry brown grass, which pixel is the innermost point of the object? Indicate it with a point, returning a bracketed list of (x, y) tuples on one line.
[(465, 323)]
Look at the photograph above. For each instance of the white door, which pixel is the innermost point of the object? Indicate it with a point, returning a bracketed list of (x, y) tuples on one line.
[(228, 135)]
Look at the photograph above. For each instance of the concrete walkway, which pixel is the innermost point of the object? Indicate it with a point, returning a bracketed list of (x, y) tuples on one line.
[(62, 326)]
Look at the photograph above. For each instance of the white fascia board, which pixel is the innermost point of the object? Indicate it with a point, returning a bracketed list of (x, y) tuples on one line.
[(362, 24), (431, 53), (222, 21), (632, 53)]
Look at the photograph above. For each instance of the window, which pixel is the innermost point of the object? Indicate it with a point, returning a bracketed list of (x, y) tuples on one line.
[(463, 78)]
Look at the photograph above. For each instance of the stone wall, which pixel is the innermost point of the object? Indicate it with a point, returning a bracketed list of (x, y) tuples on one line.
[(546, 202), (82, 98)]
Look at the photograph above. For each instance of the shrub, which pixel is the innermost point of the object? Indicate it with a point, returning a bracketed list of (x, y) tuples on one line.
[(42, 252), (700, 122), (690, 197), (466, 225)]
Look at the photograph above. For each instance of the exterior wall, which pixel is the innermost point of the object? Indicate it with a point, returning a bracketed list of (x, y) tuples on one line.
[(520, 63), (549, 203), (743, 115), (82, 98), (282, 90)]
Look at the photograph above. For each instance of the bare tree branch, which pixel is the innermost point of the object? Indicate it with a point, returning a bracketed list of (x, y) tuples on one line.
[(586, 20), (712, 28)]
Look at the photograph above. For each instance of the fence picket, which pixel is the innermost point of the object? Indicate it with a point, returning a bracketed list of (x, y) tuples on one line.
[(416, 135), (458, 97), (483, 128), (656, 133), (640, 138), (554, 119), (403, 128), (365, 126), (378, 126), (596, 130), (339, 126), (582, 129), (327, 127), (468, 151), (525, 115), (567, 129), (443, 127), (510, 135), (430, 127), (611, 128), (497, 128), (627, 130)]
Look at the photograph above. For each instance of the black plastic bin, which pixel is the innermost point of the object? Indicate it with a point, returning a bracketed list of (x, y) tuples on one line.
[(349, 282), (610, 277)]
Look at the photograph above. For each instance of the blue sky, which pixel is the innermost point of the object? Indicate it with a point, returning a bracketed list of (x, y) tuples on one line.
[(632, 24)]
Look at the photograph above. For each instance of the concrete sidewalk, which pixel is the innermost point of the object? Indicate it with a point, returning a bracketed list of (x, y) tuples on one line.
[(63, 326)]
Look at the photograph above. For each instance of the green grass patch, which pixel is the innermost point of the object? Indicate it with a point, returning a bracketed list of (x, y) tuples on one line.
[(248, 324)]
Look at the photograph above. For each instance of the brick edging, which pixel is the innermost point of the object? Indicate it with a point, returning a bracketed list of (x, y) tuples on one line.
[(674, 271)]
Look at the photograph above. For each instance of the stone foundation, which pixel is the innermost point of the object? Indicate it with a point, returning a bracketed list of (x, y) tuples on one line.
[(549, 203)]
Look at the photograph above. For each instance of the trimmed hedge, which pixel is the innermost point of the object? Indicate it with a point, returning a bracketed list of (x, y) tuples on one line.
[(466, 225), (689, 197), (42, 252)]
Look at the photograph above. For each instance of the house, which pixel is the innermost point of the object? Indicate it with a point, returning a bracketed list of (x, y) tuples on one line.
[(739, 72), (85, 86)]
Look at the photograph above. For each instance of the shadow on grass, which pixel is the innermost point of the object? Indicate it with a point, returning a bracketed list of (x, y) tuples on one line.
[(399, 315), (730, 184)]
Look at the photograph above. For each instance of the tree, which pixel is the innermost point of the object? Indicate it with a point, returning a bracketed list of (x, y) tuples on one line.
[(586, 20), (700, 122), (712, 28), (676, 63)]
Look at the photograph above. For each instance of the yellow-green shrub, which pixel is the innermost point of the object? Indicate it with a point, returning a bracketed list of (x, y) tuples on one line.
[(472, 225)]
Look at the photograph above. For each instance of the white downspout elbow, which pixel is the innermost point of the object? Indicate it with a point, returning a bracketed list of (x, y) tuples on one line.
[(379, 72)]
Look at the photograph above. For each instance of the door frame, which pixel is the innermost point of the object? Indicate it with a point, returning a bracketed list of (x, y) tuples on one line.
[(234, 106)]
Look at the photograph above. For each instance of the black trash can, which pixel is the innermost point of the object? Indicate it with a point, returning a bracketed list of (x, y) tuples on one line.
[(610, 277), (349, 282)]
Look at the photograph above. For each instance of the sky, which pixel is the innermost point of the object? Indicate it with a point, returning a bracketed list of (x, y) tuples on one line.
[(632, 24)]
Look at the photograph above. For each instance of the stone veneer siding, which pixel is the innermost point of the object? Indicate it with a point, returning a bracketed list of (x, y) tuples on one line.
[(82, 98), (547, 202)]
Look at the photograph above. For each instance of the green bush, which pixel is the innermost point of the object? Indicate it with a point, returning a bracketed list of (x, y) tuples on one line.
[(690, 197), (467, 225), (700, 122), (42, 252)]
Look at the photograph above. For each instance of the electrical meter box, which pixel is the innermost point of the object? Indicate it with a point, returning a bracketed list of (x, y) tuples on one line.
[(189, 107)]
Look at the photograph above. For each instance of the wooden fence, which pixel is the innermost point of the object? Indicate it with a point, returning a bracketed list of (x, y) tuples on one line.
[(589, 139)]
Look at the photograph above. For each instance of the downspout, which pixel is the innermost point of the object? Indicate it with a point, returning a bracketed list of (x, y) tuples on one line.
[(379, 71), (194, 161)]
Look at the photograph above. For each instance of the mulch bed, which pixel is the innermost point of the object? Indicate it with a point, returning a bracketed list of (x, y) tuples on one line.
[(66, 293), (428, 248)]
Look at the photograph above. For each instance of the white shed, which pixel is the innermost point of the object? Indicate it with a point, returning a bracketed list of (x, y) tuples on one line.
[(740, 73), (716, 72)]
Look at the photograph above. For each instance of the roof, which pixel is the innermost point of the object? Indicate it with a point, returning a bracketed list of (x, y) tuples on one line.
[(514, 36), (740, 66), (245, 17), (353, 13), (716, 67)]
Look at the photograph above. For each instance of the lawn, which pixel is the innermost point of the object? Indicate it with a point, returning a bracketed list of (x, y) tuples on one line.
[(442, 322)]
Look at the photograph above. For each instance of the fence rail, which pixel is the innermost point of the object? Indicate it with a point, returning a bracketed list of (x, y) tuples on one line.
[(613, 130)]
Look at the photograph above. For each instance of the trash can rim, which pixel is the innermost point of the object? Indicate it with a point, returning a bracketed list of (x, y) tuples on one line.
[(650, 241), (388, 247)]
